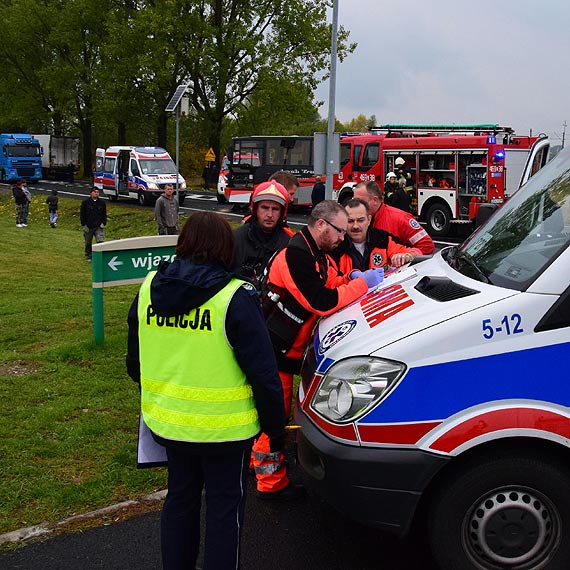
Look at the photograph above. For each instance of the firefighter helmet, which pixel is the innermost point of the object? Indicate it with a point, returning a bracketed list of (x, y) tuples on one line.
[(391, 175), (400, 161)]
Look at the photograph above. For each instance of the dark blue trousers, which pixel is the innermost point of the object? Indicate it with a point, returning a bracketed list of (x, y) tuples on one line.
[(223, 474)]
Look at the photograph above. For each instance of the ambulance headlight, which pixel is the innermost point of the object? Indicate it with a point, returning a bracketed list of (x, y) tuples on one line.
[(351, 387)]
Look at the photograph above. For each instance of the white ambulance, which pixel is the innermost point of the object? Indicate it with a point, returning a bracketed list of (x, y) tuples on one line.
[(137, 172), (442, 399)]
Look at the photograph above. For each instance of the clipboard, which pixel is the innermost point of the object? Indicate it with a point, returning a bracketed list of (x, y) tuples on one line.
[(149, 452)]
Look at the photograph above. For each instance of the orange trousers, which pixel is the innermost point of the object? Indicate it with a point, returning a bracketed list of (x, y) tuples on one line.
[(270, 469)]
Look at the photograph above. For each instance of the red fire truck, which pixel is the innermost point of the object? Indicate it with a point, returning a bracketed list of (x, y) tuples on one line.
[(450, 169)]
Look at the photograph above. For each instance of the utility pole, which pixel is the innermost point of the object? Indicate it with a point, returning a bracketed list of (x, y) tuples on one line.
[(564, 124), (332, 91)]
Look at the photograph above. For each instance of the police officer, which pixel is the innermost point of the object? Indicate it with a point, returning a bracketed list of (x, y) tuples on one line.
[(199, 348)]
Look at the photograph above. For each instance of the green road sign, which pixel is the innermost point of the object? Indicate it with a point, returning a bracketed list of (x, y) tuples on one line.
[(124, 262)]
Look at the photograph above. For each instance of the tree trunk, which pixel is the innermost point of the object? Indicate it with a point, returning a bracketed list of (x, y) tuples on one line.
[(122, 133)]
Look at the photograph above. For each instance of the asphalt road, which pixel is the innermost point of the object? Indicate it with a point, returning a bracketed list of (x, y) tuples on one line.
[(306, 535), (196, 200)]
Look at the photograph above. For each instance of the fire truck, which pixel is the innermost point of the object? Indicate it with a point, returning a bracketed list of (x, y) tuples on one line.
[(450, 170)]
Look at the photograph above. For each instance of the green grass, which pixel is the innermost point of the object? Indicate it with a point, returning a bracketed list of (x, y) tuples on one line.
[(68, 410)]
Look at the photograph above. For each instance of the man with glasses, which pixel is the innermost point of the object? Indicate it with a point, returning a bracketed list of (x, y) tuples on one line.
[(302, 285)]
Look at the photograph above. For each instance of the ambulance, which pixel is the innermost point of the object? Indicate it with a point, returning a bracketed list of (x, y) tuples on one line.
[(440, 401), (136, 172)]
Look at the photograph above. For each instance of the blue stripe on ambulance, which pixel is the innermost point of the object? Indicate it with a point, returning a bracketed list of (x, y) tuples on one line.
[(438, 391)]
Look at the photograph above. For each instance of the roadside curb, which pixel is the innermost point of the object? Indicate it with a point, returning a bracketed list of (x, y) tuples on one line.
[(45, 529)]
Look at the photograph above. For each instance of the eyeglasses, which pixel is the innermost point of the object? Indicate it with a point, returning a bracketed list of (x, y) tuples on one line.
[(341, 232)]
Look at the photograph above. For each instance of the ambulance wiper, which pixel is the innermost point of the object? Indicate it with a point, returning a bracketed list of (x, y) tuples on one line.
[(451, 255), (462, 260)]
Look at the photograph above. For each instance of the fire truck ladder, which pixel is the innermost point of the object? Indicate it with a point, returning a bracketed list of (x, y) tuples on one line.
[(483, 128)]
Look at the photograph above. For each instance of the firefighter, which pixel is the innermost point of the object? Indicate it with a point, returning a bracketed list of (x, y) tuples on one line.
[(302, 285), (200, 351), (263, 232), (394, 193), (396, 222), (365, 247)]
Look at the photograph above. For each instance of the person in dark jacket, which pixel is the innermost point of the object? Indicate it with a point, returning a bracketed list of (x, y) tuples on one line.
[(20, 201), (52, 202), (199, 348), (263, 233), (318, 192), (93, 216)]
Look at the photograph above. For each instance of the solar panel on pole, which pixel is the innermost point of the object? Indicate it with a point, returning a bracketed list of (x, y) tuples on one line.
[(178, 94)]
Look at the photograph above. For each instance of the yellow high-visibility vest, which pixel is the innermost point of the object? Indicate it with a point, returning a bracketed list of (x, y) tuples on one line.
[(192, 388)]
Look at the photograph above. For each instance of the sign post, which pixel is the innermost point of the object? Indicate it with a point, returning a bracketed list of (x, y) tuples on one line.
[(125, 262)]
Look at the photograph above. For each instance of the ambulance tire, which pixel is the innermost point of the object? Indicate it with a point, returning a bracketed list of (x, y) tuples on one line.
[(113, 197), (438, 220), (142, 199), (503, 512)]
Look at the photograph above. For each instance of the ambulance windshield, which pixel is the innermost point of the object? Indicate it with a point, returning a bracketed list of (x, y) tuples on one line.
[(158, 166), (525, 235)]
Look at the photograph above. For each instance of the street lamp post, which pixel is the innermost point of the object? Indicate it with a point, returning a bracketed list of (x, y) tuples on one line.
[(331, 118)]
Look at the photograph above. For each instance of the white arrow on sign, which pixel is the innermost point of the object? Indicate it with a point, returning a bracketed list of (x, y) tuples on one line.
[(113, 263)]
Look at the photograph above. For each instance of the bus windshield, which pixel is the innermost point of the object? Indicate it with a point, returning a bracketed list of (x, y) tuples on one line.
[(525, 235)]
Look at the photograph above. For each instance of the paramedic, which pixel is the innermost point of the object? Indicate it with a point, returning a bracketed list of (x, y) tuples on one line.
[(262, 233), (166, 212), (200, 351), (303, 284), (396, 222), (365, 247)]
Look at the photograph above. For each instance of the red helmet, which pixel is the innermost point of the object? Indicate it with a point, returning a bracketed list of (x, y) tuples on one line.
[(272, 191)]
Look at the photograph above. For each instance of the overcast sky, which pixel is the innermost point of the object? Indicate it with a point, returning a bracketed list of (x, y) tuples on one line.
[(453, 61)]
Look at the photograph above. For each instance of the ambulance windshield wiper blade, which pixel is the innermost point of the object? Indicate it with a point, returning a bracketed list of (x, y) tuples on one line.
[(464, 259)]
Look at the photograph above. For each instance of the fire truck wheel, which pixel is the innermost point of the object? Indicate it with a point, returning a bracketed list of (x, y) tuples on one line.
[(438, 220), (502, 512), (142, 199)]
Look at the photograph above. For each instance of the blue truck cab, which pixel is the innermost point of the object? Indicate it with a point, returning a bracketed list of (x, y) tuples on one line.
[(20, 157), (440, 401)]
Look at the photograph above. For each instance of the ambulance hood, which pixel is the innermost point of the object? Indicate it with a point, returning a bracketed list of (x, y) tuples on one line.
[(408, 301)]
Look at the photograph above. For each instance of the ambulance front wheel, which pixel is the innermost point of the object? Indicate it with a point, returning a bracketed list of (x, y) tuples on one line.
[(438, 219), (142, 199), (504, 512), (113, 197)]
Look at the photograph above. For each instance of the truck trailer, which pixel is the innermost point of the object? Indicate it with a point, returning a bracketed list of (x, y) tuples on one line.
[(60, 157)]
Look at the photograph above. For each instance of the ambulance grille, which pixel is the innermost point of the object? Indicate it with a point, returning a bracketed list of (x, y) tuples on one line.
[(443, 289)]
